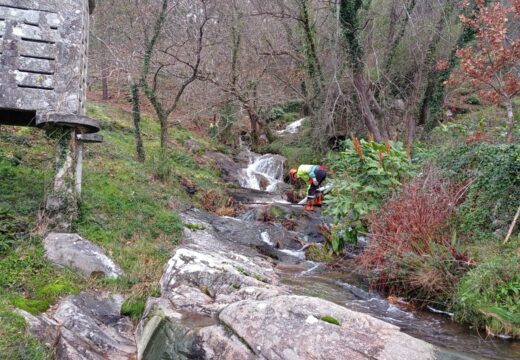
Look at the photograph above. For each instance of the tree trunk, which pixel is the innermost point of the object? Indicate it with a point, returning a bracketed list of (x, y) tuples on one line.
[(410, 132), (104, 82), (362, 91), (312, 66), (510, 121), (163, 119), (253, 119), (431, 109), (136, 116), (61, 205)]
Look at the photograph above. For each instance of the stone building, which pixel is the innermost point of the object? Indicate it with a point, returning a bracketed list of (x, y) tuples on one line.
[(43, 71)]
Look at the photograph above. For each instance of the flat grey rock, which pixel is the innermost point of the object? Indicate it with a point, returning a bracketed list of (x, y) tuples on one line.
[(71, 250)]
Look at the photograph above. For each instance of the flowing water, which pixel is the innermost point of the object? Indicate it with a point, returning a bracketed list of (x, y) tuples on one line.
[(263, 173), (293, 127), (349, 289)]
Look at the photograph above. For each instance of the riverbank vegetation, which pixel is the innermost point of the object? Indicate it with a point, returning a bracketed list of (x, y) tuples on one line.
[(438, 239)]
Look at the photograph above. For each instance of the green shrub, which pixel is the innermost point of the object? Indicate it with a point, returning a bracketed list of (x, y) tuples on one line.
[(489, 295), (293, 106), (161, 166), (492, 174), (473, 100), (275, 114), (365, 173)]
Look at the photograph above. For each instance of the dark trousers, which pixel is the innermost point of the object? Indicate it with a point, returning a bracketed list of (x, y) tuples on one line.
[(321, 174)]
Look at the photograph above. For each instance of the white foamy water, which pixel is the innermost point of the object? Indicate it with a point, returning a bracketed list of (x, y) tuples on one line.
[(263, 173), (266, 238), (293, 127)]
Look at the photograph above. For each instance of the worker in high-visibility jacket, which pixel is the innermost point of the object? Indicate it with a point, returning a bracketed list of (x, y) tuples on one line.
[(313, 175)]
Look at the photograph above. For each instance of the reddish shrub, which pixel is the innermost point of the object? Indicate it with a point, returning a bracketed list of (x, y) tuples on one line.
[(410, 248)]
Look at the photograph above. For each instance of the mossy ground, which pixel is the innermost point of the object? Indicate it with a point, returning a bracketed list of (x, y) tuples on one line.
[(126, 208)]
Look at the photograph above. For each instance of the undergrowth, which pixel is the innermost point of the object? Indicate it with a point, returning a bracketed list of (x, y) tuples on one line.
[(412, 251), (489, 295)]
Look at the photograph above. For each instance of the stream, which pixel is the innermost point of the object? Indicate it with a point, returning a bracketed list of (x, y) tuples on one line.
[(349, 289)]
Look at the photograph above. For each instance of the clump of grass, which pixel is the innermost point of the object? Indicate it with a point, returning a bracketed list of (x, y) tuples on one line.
[(318, 253), (488, 297), (134, 306)]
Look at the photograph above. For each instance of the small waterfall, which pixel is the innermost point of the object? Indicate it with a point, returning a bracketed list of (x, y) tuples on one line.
[(293, 127), (263, 173)]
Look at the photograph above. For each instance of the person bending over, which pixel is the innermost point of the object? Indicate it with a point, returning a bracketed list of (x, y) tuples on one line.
[(313, 175)]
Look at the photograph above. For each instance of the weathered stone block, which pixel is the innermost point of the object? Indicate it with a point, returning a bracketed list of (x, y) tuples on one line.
[(43, 60)]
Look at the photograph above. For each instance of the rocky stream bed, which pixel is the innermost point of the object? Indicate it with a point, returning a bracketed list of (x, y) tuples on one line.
[(239, 288)]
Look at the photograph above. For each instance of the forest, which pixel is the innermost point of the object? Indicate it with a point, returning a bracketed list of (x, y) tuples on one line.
[(411, 106)]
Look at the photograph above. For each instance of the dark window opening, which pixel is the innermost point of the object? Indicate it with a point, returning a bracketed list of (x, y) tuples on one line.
[(17, 117)]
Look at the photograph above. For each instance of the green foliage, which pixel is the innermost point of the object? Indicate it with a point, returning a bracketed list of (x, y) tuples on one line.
[(161, 166), (331, 320), (194, 227), (296, 148), (31, 283), (489, 295), (492, 173), (365, 173)]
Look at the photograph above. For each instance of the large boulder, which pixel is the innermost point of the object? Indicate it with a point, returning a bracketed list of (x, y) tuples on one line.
[(203, 280), (71, 250), (86, 326), (296, 327), (230, 169)]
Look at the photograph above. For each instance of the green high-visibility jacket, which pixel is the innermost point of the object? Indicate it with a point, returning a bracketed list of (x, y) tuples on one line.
[(306, 173)]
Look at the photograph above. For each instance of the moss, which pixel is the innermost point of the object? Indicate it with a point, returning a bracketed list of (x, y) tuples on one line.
[(194, 227), (331, 320), (276, 213), (205, 290), (242, 271)]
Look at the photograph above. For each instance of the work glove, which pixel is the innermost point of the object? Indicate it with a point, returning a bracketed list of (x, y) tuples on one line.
[(315, 182)]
